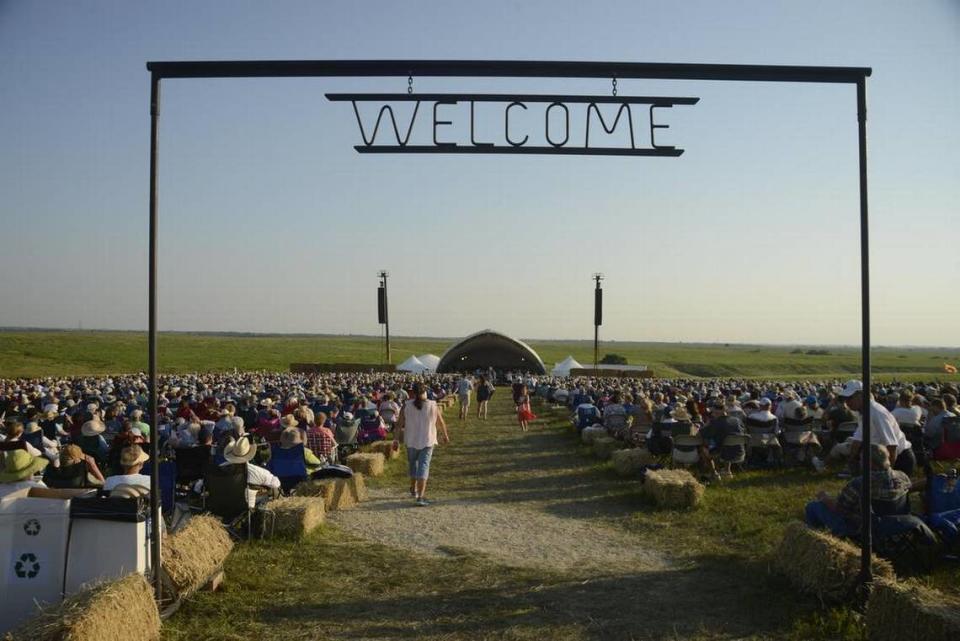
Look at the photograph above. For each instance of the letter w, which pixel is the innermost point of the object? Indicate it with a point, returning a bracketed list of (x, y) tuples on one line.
[(396, 129), (593, 106)]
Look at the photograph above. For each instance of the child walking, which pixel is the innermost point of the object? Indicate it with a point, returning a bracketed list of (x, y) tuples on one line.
[(524, 414)]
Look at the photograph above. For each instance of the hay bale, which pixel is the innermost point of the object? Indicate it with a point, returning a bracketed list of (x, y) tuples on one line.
[(911, 612), (629, 461), (386, 448), (605, 446), (297, 516), (673, 488), (821, 564), (358, 488), (370, 464), (337, 493), (119, 610), (195, 553), (589, 433)]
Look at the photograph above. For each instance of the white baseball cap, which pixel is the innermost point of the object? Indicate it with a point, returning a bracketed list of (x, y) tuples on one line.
[(851, 388)]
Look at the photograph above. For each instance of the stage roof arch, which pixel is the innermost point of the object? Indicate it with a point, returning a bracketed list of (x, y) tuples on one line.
[(489, 348)]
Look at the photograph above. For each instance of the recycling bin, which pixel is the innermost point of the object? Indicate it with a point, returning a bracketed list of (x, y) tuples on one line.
[(33, 550), (108, 539)]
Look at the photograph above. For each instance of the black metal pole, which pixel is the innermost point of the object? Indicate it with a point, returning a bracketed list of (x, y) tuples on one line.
[(866, 573), (152, 343), (386, 315)]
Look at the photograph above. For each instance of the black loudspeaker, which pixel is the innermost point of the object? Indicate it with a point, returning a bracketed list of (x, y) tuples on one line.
[(598, 307), (381, 305)]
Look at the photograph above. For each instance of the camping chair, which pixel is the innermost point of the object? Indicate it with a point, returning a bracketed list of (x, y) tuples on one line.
[(942, 508), (191, 462), (949, 448), (288, 465), (764, 444), (798, 437), (733, 451), (90, 445), (226, 498), (66, 476), (345, 435), (914, 433), (904, 540), (35, 439), (686, 449), (660, 443), (10, 446), (616, 425), (844, 431)]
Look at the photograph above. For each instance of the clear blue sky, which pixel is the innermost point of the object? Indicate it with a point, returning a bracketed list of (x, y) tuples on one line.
[(271, 222)]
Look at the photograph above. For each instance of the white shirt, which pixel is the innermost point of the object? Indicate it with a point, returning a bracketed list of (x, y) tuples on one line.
[(6, 489), (884, 429), (112, 482), (907, 415), (464, 387), (420, 425)]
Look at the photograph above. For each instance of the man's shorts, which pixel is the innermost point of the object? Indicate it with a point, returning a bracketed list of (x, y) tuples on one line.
[(419, 462), (464, 399)]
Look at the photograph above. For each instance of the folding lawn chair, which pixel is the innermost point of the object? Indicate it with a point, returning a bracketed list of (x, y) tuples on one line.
[(288, 465), (226, 498)]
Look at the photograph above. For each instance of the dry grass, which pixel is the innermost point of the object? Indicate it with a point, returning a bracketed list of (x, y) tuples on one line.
[(358, 487), (386, 448), (297, 516), (588, 434), (369, 464), (338, 494), (628, 462), (121, 610), (194, 554), (821, 564), (673, 489), (911, 612)]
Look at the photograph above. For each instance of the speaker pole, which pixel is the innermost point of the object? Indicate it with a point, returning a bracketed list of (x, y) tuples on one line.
[(597, 320), (385, 314)]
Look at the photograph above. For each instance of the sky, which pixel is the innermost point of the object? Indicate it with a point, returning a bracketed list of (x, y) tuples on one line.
[(271, 222)]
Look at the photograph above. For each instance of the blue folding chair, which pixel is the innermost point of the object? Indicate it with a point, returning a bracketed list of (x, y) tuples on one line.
[(288, 465), (35, 439)]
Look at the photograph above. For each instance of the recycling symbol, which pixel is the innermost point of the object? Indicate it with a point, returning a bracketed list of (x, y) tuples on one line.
[(32, 527), (27, 567)]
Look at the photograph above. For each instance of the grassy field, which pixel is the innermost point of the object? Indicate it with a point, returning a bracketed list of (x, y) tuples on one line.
[(718, 586), (42, 353)]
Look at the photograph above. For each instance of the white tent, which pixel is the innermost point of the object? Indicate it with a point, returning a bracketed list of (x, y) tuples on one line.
[(563, 367), (412, 365), (430, 361)]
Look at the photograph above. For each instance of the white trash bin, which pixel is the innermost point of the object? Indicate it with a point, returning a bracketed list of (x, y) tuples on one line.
[(33, 550)]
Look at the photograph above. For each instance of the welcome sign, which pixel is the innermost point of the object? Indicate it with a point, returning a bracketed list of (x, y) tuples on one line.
[(557, 118)]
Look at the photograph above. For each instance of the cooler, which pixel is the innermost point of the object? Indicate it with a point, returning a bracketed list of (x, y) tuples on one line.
[(33, 550)]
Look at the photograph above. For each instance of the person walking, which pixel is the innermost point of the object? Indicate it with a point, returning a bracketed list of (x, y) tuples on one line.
[(417, 428), (464, 387), (524, 413), (485, 391)]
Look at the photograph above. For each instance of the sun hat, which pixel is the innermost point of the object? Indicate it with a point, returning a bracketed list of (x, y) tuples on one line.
[(50, 411), (850, 388), (681, 414), (765, 402), (239, 451), (136, 414), (70, 454), (93, 428), (267, 402), (133, 455), (290, 438), (31, 427), (20, 465), (289, 421)]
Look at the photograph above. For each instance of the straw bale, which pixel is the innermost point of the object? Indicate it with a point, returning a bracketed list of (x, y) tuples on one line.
[(673, 488), (911, 612), (589, 433), (386, 448), (629, 461), (195, 553), (358, 488), (297, 516), (370, 464), (337, 493), (821, 564), (118, 610), (605, 446)]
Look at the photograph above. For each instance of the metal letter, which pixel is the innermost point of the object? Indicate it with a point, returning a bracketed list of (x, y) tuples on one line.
[(546, 117), (396, 130), (506, 125), (441, 122), (473, 140), (603, 124), (654, 126)]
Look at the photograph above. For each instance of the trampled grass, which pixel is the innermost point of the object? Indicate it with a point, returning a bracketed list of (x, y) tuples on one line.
[(43, 353)]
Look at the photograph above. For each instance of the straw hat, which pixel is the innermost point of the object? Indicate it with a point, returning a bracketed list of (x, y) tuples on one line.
[(133, 455), (50, 411), (239, 451), (19, 465), (93, 428), (289, 421), (681, 414), (290, 438), (128, 491), (267, 402), (31, 427)]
